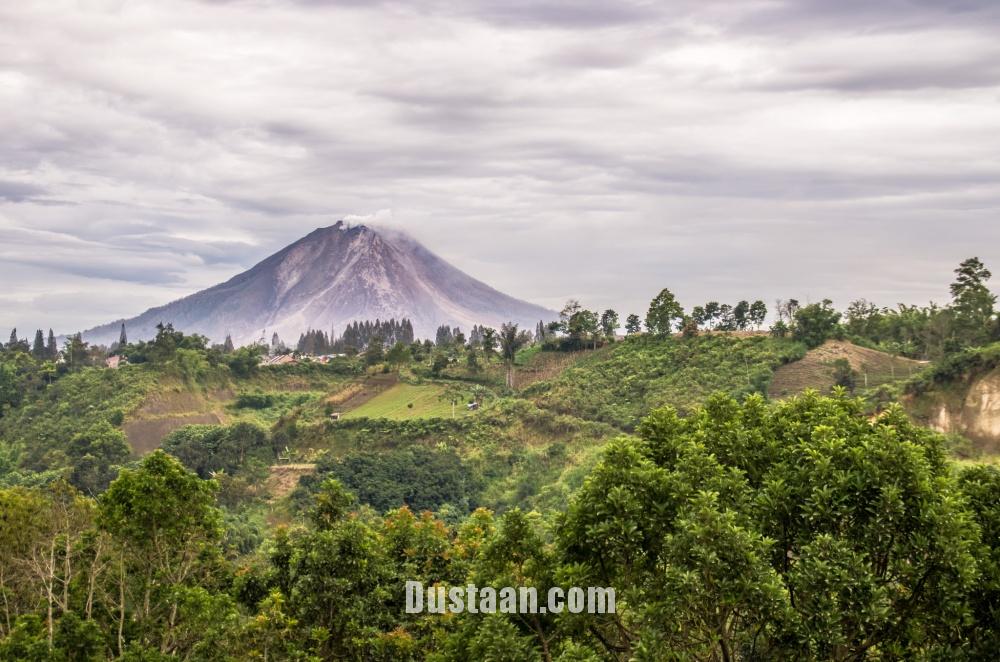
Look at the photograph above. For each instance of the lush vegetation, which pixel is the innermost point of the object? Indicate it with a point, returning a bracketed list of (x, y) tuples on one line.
[(803, 530), (731, 528), (627, 380)]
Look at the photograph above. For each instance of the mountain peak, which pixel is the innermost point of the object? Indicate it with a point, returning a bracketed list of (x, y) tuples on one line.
[(333, 276)]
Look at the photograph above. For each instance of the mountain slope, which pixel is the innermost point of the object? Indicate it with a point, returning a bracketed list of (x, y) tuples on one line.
[(331, 277)]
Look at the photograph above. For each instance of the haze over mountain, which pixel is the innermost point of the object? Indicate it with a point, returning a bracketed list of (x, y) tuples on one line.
[(330, 277)]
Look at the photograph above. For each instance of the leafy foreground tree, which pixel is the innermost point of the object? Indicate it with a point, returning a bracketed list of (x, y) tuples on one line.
[(163, 531), (802, 530)]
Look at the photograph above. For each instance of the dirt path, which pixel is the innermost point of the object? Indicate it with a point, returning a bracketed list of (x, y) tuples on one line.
[(285, 477)]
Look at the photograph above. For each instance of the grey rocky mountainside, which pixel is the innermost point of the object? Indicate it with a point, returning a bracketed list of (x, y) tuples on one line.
[(330, 277)]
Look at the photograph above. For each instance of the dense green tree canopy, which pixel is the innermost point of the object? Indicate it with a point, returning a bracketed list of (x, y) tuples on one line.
[(663, 312)]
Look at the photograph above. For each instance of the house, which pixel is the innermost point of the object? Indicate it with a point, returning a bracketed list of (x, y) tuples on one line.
[(115, 361), (282, 359), (335, 416)]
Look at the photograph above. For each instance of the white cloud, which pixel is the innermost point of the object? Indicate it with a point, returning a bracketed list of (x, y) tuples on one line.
[(379, 216)]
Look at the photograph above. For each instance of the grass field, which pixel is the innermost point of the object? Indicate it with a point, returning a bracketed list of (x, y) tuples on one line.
[(404, 401)]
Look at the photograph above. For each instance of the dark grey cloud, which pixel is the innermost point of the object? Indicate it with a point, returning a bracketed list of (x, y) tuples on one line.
[(530, 14), (19, 191), (858, 16), (555, 149), (585, 14)]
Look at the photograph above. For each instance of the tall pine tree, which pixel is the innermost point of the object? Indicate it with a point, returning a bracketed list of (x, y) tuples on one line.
[(38, 348)]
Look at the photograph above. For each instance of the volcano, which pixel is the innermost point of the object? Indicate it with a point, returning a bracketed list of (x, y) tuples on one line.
[(327, 279)]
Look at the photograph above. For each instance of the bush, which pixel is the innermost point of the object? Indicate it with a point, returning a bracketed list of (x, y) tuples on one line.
[(254, 401)]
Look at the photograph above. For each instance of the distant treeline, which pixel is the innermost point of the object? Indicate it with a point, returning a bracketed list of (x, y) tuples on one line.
[(356, 337)]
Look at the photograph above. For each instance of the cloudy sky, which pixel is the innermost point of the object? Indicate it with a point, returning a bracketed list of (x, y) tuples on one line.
[(586, 148)]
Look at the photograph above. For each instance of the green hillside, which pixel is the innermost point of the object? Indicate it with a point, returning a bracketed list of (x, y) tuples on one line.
[(511, 453), (625, 381), (404, 401)]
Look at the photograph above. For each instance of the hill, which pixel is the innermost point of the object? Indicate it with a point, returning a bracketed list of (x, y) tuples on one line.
[(816, 370), (622, 382), (329, 278)]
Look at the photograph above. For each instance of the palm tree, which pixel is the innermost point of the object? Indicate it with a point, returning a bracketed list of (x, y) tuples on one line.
[(511, 340)]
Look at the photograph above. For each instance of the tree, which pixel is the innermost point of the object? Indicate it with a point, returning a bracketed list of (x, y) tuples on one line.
[(786, 309), (95, 455), (453, 394), (815, 323), (278, 347), (38, 347), (12, 342), (689, 327), (398, 355), (444, 336), (489, 342), (168, 340), (972, 302), (166, 530), (244, 361), (861, 318), (438, 363), (844, 375), (375, 353), (51, 349), (712, 313), (227, 346), (741, 315), (77, 351), (584, 325), (10, 387), (123, 337), (633, 324), (340, 582), (981, 487), (727, 320), (663, 311), (571, 308), (698, 315), (472, 360), (333, 502), (758, 313), (609, 323), (801, 530), (511, 340)]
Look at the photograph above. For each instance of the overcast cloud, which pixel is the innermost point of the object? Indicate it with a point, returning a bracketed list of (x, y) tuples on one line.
[(590, 149)]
